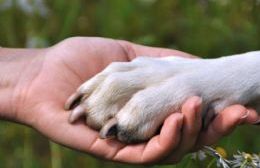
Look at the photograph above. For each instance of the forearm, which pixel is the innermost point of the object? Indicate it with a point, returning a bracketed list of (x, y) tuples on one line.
[(14, 64), (7, 81)]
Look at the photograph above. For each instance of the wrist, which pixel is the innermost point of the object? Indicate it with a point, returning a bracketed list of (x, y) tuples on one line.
[(15, 66)]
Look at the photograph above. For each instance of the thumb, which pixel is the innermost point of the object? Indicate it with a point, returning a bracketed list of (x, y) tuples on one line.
[(134, 50)]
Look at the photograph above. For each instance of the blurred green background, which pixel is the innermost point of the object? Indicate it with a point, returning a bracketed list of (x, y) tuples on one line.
[(207, 28)]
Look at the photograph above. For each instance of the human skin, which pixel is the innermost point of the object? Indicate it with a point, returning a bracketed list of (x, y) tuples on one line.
[(35, 83)]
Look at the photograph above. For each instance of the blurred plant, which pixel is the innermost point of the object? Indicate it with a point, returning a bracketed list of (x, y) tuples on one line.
[(56, 157), (239, 160), (220, 157), (200, 155), (246, 160), (34, 41), (29, 7)]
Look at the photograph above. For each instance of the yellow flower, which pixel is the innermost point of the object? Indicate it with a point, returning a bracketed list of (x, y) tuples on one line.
[(221, 151), (243, 159), (221, 161), (247, 156)]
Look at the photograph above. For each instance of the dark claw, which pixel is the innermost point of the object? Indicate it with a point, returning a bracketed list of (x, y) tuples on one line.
[(109, 130), (257, 123), (76, 113), (73, 101)]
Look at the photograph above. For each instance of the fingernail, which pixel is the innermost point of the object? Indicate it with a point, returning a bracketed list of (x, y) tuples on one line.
[(257, 122), (242, 119), (246, 115)]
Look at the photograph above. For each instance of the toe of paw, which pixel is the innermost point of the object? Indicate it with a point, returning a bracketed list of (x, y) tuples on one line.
[(97, 118), (119, 66), (114, 80)]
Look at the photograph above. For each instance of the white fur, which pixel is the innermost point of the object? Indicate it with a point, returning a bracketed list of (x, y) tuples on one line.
[(142, 93)]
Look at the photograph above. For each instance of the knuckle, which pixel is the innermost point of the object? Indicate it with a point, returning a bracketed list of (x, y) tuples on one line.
[(114, 80), (96, 119), (113, 67), (115, 64), (140, 59)]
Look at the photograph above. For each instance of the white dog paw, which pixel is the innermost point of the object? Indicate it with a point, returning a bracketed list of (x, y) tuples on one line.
[(131, 100), (101, 97)]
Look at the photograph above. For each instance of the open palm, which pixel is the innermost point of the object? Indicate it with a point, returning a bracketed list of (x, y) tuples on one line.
[(53, 77)]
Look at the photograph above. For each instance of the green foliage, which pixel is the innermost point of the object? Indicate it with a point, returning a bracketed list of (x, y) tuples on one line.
[(207, 28)]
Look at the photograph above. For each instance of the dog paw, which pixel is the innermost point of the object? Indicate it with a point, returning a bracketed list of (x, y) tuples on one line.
[(130, 100), (102, 97)]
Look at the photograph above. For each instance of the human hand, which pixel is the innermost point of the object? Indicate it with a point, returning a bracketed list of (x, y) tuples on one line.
[(49, 76), (194, 138)]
